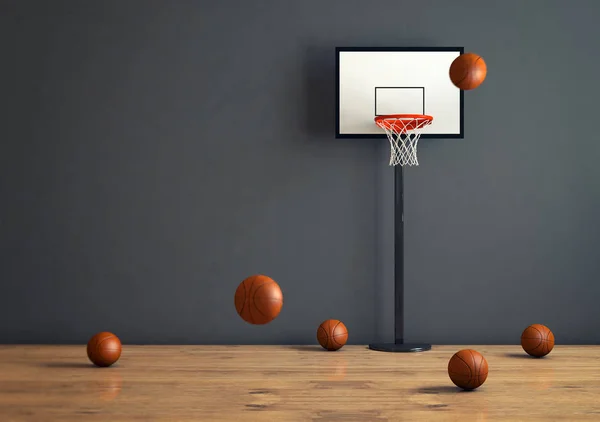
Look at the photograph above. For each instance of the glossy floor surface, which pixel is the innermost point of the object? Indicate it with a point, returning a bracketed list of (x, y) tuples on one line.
[(294, 383)]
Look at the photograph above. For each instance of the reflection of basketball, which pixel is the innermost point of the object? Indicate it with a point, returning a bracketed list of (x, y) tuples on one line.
[(537, 340), (540, 379), (104, 349), (258, 299), (468, 71), (109, 386), (336, 370), (332, 334), (468, 369)]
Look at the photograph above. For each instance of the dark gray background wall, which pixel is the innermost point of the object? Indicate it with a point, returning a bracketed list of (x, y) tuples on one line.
[(154, 153)]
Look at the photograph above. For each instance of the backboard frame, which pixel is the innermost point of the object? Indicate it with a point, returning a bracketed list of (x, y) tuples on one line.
[(339, 50)]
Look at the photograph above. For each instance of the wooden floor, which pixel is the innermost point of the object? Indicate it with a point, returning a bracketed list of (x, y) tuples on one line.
[(248, 383)]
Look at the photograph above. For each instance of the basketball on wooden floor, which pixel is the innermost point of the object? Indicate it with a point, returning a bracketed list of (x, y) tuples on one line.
[(468, 71), (332, 334), (468, 369), (258, 299), (537, 340), (104, 349)]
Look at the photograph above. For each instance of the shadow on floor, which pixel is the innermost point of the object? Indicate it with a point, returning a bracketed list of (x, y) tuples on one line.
[(442, 389), (68, 365), (519, 356), (309, 348)]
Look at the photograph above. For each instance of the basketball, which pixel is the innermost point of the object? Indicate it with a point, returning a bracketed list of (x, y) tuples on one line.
[(104, 349), (258, 299), (537, 340), (332, 334), (468, 369), (468, 71)]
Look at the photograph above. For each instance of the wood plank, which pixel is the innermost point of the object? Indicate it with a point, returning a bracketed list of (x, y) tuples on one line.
[(289, 383)]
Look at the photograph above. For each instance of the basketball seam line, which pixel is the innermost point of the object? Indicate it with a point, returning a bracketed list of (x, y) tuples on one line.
[(254, 298), (328, 331), (333, 334), (476, 375), (540, 338), (468, 367), (479, 370), (245, 296), (467, 73), (326, 336), (97, 353)]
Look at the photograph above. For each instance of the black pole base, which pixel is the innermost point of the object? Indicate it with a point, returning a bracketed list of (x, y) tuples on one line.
[(400, 348)]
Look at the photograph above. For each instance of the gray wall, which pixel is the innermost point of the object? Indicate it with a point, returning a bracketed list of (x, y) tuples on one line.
[(155, 153)]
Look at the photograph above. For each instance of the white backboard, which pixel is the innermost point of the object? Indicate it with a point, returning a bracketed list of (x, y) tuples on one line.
[(377, 81)]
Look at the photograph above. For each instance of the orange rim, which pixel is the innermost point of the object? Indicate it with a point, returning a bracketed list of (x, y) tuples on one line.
[(409, 121)]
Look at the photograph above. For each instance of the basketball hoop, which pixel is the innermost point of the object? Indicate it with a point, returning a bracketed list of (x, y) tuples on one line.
[(403, 132)]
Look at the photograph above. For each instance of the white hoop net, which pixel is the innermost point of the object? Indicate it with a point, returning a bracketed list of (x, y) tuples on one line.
[(403, 132)]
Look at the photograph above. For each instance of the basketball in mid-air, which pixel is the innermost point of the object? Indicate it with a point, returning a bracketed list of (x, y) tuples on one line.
[(258, 299), (468, 71), (537, 340), (104, 349), (332, 334), (468, 369)]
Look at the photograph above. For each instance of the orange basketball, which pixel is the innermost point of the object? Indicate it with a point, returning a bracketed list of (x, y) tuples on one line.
[(258, 299), (537, 340), (104, 349), (468, 369), (332, 334), (468, 71)]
